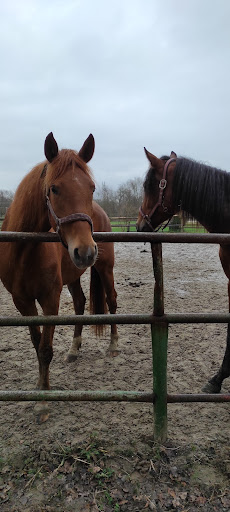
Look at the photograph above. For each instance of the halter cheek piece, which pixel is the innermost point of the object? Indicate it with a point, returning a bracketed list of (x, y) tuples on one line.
[(160, 202), (66, 220)]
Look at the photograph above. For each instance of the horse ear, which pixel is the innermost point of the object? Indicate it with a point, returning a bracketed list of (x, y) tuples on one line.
[(87, 150), (173, 155), (154, 161), (50, 147)]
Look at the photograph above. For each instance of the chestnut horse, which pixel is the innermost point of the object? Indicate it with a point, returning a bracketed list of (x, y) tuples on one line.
[(179, 184), (58, 194)]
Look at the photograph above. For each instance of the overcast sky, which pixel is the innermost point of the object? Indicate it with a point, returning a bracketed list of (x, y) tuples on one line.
[(135, 73)]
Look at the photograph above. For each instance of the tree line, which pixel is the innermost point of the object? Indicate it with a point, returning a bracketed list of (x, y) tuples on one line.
[(122, 202)]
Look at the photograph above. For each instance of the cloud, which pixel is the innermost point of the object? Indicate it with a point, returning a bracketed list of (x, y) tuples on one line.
[(133, 73)]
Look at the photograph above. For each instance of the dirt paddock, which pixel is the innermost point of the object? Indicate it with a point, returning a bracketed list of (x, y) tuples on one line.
[(59, 465)]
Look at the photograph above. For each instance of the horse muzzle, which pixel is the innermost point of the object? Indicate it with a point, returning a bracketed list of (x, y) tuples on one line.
[(143, 227), (83, 257)]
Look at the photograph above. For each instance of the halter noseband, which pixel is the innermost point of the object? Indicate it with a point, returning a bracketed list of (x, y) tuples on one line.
[(65, 220), (162, 186)]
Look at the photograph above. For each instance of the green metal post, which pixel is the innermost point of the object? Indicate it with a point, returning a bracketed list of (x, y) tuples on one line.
[(159, 333)]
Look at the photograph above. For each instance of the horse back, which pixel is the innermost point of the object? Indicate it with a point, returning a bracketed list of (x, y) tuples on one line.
[(101, 223)]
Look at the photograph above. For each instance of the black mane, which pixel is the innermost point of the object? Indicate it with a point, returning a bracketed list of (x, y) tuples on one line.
[(202, 191)]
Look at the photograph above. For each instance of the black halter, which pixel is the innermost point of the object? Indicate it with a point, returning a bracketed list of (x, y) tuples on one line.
[(162, 187)]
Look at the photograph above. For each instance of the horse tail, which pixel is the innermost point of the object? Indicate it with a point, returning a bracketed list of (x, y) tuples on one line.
[(98, 305)]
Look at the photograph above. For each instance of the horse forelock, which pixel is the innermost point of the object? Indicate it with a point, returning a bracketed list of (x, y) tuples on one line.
[(65, 159), (151, 183)]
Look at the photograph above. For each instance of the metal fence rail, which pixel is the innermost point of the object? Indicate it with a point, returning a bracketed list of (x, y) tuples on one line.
[(173, 238), (158, 320), (106, 396), (170, 318)]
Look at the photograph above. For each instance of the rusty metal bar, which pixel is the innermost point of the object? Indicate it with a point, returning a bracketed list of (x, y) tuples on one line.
[(197, 318), (110, 396), (202, 397), (75, 319), (203, 238), (76, 396), (169, 318)]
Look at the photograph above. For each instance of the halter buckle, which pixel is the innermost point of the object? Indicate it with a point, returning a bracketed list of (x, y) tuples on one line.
[(162, 184)]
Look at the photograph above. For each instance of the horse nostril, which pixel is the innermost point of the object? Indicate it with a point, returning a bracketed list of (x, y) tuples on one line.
[(86, 257), (76, 254)]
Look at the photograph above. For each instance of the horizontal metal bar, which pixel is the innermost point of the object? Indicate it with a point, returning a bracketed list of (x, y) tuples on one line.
[(204, 238), (170, 318), (76, 396), (106, 396), (22, 236), (196, 318), (202, 397), (75, 320)]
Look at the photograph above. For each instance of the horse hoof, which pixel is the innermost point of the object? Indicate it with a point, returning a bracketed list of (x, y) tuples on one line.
[(70, 358), (42, 412), (42, 418), (113, 350), (211, 388), (114, 353)]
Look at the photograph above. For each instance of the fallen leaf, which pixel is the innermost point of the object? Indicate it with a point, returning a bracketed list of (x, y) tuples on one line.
[(95, 469)]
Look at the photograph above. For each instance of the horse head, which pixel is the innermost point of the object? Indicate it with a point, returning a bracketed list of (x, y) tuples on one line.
[(69, 191), (158, 205)]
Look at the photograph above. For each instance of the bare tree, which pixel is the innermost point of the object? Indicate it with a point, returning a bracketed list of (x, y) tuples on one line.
[(6, 198), (106, 198), (129, 197)]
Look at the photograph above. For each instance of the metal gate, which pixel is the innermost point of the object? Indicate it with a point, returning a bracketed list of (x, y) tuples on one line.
[(158, 319)]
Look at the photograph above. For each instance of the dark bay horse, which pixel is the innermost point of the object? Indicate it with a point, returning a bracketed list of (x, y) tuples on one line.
[(58, 194), (179, 184)]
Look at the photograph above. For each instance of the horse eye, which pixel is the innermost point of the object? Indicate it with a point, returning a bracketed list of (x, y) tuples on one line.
[(54, 189)]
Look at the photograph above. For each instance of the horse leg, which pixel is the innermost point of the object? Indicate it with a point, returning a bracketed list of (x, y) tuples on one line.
[(28, 308), (106, 275), (214, 384), (79, 307), (43, 343), (50, 306)]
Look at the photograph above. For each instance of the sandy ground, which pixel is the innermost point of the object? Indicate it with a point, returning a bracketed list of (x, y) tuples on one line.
[(193, 282)]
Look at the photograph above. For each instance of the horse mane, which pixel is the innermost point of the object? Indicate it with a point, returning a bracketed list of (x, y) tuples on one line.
[(202, 191), (28, 211)]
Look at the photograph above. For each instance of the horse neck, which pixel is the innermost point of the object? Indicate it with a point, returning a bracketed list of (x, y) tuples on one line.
[(28, 211), (203, 192)]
